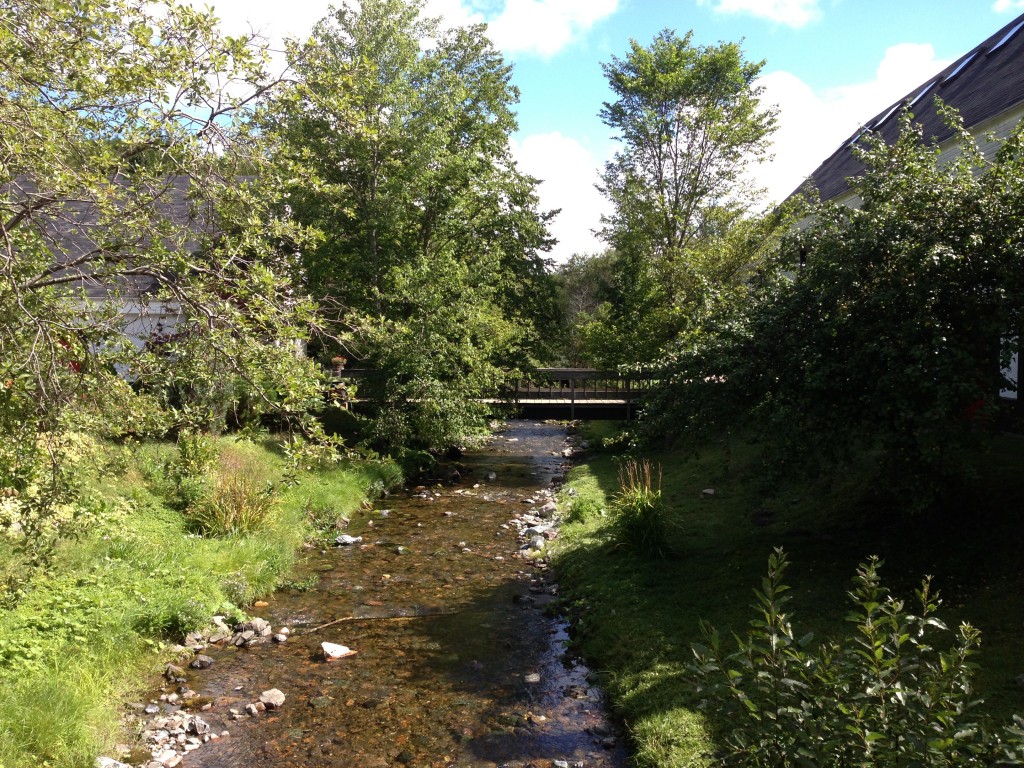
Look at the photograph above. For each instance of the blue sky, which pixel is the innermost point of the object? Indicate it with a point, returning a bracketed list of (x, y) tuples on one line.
[(830, 65)]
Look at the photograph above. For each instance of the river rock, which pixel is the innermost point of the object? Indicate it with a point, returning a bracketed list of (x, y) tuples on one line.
[(261, 627), (548, 510), (201, 662), (152, 709), (272, 699), (346, 541), (197, 726), (174, 673), (109, 762), (333, 651), (280, 637), (491, 476), (168, 758)]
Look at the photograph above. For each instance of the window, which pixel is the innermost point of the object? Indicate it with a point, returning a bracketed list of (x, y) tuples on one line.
[(960, 67), (1006, 38)]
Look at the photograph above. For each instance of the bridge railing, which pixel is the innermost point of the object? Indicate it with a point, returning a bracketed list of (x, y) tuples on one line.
[(579, 384), (567, 386)]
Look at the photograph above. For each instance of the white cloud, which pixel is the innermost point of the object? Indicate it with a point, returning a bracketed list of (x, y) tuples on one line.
[(569, 172), (813, 125), (792, 13), (453, 13), (1002, 6), (545, 27), (539, 27)]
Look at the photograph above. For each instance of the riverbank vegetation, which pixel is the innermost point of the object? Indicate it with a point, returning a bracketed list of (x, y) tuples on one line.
[(637, 617), (163, 539)]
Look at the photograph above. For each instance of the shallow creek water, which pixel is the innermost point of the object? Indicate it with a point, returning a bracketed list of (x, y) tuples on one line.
[(458, 661)]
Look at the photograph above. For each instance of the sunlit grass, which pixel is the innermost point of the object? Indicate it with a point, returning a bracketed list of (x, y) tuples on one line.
[(81, 633)]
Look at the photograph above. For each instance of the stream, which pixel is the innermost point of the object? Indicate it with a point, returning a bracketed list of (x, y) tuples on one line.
[(459, 658)]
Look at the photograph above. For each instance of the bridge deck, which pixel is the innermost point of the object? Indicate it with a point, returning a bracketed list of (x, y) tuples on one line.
[(558, 392)]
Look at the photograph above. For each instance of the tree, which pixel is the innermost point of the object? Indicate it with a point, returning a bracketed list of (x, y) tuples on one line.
[(690, 122), (430, 254), (889, 342), (123, 126)]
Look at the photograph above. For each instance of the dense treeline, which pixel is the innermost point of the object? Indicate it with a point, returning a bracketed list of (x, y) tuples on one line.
[(185, 244), (879, 331), (178, 226)]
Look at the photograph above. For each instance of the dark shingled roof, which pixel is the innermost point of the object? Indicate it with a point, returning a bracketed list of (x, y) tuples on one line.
[(70, 228), (982, 84)]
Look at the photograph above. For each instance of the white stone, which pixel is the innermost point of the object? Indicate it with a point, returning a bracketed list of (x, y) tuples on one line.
[(272, 699), (333, 651)]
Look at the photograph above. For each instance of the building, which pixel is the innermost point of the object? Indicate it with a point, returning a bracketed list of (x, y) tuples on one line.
[(986, 87)]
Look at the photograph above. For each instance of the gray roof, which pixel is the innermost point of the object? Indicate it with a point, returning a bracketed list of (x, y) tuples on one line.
[(982, 84), (75, 236)]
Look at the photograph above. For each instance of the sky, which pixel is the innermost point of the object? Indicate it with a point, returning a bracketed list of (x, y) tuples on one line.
[(830, 65)]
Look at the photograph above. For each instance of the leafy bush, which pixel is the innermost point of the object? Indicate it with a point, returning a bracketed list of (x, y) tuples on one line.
[(887, 343), (887, 695), (639, 512)]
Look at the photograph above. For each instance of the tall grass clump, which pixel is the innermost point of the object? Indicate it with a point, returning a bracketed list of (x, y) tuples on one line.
[(639, 513), (239, 498)]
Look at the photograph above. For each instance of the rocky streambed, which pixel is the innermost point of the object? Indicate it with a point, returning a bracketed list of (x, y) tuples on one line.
[(430, 638)]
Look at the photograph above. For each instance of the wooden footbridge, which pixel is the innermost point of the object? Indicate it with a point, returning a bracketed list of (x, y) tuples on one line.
[(554, 393)]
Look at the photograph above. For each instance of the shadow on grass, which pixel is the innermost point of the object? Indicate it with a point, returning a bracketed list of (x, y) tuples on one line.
[(636, 618)]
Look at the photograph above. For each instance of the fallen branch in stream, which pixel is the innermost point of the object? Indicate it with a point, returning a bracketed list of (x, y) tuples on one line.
[(375, 618)]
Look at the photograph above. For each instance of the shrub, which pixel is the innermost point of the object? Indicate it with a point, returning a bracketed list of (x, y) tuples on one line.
[(639, 512), (884, 696)]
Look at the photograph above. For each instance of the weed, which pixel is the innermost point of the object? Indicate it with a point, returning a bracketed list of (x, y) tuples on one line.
[(884, 696), (639, 513), (584, 508), (238, 501)]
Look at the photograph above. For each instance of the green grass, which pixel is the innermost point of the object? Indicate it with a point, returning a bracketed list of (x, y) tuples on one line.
[(78, 636), (636, 617)]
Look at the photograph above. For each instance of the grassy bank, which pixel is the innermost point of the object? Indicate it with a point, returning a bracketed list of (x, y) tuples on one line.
[(164, 540), (636, 617)]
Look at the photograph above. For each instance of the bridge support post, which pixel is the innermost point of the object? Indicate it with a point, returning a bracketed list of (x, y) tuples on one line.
[(572, 398)]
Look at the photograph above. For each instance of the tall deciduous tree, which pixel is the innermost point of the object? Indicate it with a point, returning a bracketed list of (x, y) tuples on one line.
[(122, 128), (430, 256), (690, 122)]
